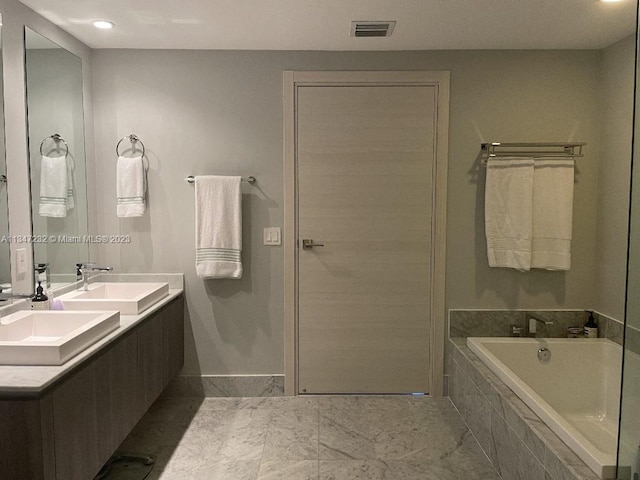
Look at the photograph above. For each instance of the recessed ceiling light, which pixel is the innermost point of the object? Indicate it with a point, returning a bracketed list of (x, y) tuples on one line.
[(103, 24), (610, 1)]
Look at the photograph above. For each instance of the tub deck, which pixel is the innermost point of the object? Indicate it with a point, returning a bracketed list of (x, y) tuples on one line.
[(576, 393)]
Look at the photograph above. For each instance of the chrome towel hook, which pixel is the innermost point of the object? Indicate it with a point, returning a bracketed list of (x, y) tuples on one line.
[(133, 138), (57, 138)]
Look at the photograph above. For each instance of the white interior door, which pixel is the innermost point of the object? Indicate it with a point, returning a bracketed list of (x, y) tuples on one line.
[(365, 162)]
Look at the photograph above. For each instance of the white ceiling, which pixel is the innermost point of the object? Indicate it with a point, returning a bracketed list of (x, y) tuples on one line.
[(325, 24)]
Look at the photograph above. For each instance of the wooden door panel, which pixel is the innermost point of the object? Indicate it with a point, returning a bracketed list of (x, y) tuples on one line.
[(365, 172)]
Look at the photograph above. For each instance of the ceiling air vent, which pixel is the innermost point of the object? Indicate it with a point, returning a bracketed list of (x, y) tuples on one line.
[(372, 29)]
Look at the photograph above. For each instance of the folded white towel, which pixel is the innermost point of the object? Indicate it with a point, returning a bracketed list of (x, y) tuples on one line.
[(508, 212), (130, 187), (54, 179), (218, 227), (552, 214)]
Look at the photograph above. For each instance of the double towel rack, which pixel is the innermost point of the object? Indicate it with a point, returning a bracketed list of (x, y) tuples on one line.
[(57, 138), (535, 150), (250, 180)]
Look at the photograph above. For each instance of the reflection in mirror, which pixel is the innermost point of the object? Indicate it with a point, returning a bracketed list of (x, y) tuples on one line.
[(56, 158), (5, 259)]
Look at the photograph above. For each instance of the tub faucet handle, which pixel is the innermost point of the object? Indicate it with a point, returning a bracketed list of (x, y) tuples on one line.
[(516, 330), (533, 321)]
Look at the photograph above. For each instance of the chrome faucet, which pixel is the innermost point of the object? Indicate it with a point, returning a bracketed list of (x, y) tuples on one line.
[(84, 270), (533, 324)]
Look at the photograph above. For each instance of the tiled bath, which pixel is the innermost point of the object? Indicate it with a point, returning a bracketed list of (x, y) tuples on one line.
[(514, 438)]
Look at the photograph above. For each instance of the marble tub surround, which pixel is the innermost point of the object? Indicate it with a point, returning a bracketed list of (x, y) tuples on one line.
[(611, 328), (226, 386), (307, 437), (497, 323), (518, 443)]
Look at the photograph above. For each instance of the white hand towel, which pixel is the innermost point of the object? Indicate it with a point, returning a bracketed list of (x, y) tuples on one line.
[(552, 214), (508, 212), (53, 187), (130, 187), (218, 227)]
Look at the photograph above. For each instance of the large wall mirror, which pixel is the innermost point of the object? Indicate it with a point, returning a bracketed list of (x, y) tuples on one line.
[(5, 258), (56, 157)]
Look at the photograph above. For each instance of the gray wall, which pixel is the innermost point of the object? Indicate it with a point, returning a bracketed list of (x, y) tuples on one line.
[(614, 175), (220, 112)]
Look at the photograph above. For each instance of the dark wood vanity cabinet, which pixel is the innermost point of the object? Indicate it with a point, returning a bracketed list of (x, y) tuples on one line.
[(75, 426)]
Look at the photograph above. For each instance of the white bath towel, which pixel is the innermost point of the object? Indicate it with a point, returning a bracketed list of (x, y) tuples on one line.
[(508, 212), (552, 214), (130, 187), (218, 227), (54, 179)]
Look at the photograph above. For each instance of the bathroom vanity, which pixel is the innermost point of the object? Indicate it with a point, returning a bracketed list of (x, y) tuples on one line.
[(64, 422)]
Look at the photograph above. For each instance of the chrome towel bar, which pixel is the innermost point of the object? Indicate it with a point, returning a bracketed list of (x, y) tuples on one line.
[(535, 150), (250, 180)]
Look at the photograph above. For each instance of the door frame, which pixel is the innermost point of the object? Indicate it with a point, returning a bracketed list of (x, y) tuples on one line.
[(438, 79)]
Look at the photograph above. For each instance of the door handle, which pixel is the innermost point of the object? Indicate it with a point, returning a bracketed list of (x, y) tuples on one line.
[(307, 244)]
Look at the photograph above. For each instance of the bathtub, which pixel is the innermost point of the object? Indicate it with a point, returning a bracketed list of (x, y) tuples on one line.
[(576, 392)]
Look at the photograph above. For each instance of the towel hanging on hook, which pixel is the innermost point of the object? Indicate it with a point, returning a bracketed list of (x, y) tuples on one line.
[(131, 180)]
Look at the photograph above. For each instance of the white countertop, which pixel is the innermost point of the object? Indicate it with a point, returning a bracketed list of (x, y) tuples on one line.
[(18, 381)]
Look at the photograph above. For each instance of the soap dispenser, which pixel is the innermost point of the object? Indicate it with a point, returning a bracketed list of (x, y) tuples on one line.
[(591, 328), (39, 301)]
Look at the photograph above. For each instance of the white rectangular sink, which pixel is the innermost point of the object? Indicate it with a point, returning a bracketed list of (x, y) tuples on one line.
[(51, 337), (128, 298)]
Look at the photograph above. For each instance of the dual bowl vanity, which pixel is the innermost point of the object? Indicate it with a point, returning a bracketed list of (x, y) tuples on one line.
[(74, 382), (51, 337)]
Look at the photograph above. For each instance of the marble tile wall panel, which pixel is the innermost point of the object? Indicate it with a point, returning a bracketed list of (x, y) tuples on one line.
[(632, 339), (517, 442), (498, 323), (483, 323), (609, 328)]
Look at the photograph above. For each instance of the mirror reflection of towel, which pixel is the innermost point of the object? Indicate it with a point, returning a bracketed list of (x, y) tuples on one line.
[(55, 189)]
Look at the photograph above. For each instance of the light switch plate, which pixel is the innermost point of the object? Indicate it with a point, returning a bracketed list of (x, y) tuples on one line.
[(272, 236), (21, 260)]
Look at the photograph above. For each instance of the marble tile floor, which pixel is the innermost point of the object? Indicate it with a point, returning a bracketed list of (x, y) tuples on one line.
[(309, 438)]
